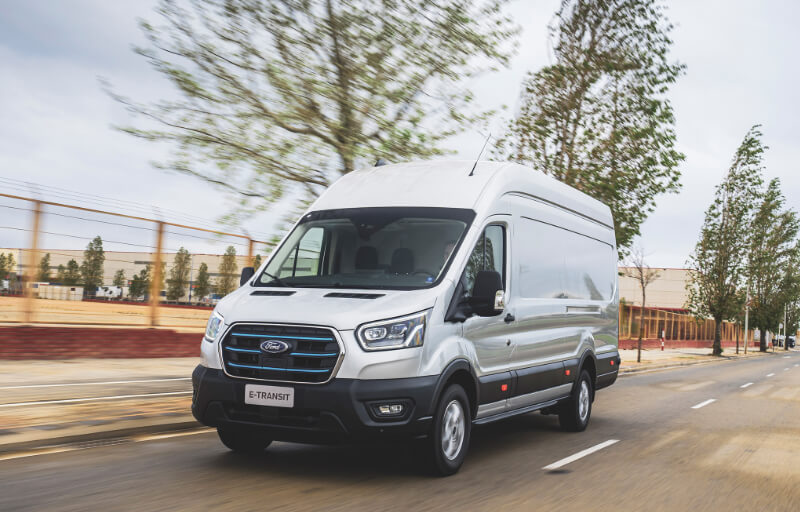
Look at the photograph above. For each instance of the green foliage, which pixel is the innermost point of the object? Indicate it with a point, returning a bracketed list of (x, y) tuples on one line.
[(202, 284), (140, 284), (773, 273), (179, 275), (92, 265), (257, 261), (119, 278), (226, 280), (270, 94), (43, 275), (7, 265), (69, 275), (718, 265), (598, 118)]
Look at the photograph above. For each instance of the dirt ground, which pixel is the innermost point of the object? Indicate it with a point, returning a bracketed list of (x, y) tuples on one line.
[(61, 312)]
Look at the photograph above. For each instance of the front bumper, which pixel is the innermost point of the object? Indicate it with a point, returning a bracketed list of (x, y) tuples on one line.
[(337, 411)]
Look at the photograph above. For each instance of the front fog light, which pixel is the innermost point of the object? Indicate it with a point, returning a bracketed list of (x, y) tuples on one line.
[(390, 409)]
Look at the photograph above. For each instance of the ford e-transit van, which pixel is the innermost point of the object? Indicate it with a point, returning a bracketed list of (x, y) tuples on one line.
[(418, 300)]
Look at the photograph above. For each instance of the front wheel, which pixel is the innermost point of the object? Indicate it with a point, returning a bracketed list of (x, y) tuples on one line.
[(449, 439), (243, 440), (573, 415)]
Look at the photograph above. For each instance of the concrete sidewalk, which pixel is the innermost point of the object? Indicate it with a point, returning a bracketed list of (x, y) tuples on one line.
[(53, 402)]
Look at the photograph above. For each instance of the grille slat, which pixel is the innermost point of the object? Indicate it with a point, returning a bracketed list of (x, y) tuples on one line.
[(312, 355)]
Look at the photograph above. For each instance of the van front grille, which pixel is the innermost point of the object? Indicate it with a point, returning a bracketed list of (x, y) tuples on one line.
[(306, 354)]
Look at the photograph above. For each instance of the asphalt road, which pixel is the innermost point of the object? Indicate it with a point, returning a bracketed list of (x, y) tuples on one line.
[(675, 450)]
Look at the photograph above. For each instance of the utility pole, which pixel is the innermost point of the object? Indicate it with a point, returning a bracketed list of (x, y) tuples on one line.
[(785, 337), (746, 318), (191, 259)]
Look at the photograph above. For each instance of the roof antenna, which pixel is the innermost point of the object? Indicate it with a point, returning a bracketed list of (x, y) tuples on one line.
[(479, 154)]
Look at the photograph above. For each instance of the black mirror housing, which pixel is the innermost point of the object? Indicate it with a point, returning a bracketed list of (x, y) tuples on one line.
[(485, 293), (247, 273)]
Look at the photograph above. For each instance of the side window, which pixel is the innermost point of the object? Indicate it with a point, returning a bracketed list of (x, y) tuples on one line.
[(304, 260), (488, 254)]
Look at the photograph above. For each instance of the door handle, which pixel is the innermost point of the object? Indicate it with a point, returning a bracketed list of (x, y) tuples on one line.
[(509, 318)]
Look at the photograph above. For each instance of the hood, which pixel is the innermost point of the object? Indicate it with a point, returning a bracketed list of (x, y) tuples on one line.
[(346, 310)]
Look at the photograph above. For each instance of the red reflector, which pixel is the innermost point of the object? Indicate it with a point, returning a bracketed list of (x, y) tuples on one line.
[(567, 372), (504, 387), (612, 362)]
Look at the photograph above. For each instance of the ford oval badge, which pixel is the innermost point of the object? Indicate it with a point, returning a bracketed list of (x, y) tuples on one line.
[(274, 346)]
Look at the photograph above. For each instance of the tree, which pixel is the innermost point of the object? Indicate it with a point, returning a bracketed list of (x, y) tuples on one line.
[(639, 270), (69, 276), (270, 94), (179, 275), (140, 284), (92, 266), (202, 285), (257, 261), (119, 278), (226, 281), (598, 117), (43, 275), (718, 265), (7, 265), (772, 261)]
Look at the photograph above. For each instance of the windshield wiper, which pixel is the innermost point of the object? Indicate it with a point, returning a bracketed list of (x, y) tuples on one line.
[(276, 279)]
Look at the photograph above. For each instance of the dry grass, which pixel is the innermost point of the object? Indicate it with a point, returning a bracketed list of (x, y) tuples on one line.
[(64, 312)]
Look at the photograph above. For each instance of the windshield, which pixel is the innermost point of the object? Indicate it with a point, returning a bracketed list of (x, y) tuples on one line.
[(383, 248)]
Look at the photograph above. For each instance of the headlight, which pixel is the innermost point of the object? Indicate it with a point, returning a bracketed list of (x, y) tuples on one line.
[(214, 326), (403, 332)]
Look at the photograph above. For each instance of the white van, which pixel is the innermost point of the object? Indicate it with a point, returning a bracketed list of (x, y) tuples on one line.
[(418, 300)]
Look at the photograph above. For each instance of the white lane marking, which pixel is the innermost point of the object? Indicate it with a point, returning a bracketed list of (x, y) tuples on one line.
[(786, 369), (94, 399), (94, 383), (579, 455), (786, 357), (770, 374), (70, 448), (797, 364), (156, 437), (746, 385), (34, 453), (703, 404)]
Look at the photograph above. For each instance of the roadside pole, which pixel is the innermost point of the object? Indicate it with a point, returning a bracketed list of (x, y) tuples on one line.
[(746, 319), (155, 276), (31, 263)]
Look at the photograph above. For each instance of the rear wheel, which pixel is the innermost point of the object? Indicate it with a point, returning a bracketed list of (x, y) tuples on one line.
[(449, 439), (243, 440), (573, 415)]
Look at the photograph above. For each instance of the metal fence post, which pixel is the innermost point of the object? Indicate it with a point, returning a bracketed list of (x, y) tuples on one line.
[(155, 277), (30, 271)]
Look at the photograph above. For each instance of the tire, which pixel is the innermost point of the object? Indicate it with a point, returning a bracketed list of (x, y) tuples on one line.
[(449, 439), (574, 414), (242, 440)]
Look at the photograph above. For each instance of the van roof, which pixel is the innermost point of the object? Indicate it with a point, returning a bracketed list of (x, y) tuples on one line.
[(447, 184)]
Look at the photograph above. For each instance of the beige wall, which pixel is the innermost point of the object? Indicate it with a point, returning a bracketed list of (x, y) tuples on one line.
[(667, 291)]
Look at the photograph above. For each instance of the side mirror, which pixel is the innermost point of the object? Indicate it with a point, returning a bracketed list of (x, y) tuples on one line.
[(247, 273), (488, 297)]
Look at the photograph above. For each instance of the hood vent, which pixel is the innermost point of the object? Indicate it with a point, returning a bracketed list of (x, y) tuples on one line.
[(273, 293), (355, 295)]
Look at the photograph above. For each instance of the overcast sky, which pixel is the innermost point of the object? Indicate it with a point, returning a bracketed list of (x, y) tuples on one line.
[(56, 120)]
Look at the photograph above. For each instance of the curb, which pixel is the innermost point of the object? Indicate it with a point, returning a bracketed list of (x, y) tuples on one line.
[(92, 437), (647, 369)]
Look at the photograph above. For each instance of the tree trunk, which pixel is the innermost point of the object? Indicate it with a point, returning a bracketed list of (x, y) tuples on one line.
[(737, 338), (717, 347), (763, 340), (641, 327)]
